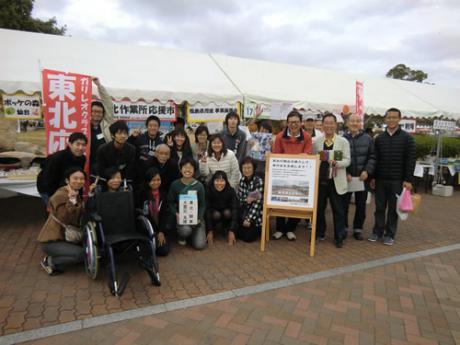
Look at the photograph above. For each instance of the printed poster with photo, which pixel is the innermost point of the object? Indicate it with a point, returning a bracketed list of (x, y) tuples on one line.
[(291, 182)]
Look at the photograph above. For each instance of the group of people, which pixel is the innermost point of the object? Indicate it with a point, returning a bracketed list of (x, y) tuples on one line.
[(225, 182)]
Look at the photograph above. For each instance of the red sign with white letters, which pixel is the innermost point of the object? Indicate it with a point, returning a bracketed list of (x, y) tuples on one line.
[(67, 108)]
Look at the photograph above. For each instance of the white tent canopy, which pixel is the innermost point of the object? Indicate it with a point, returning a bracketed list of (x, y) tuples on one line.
[(152, 73), (319, 89), (127, 70)]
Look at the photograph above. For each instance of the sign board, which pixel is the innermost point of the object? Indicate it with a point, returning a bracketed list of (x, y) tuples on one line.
[(188, 208), (408, 125), (272, 111), (444, 125), (140, 110), (291, 190), (200, 112), (67, 107), (20, 106)]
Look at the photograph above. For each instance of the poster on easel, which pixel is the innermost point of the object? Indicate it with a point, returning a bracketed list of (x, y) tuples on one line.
[(291, 190), (291, 181)]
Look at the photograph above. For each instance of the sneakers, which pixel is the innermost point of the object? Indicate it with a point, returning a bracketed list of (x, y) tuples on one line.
[(277, 235), (320, 238), (388, 241), (290, 236), (182, 241), (48, 268), (374, 238)]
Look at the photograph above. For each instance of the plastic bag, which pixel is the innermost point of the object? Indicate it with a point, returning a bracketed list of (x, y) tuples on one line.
[(405, 201), (402, 215)]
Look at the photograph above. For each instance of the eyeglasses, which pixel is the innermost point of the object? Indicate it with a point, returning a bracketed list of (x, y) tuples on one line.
[(293, 122)]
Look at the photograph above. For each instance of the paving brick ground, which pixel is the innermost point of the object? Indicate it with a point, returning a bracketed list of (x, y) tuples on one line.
[(29, 299), (415, 302)]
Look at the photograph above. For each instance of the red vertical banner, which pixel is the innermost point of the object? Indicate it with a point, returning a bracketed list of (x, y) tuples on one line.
[(359, 106), (67, 108)]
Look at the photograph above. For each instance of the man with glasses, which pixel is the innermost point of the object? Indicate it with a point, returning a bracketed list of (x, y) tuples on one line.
[(395, 157), (292, 140)]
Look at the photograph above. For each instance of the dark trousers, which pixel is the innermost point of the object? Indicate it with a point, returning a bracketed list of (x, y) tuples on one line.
[(164, 249), (219, 220), (249, 234), (62, 253), (385, 203), (326, 191), (360, 209), (286, 224)]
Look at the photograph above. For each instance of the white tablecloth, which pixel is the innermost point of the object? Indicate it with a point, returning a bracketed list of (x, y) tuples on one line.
[(27, 187)]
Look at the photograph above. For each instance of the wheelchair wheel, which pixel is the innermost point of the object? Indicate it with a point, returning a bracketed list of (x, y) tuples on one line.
[(91, 250)]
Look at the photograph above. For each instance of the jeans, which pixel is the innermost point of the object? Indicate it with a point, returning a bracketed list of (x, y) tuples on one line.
[(62, 253), (326, 191), (360, 209), (196, 233), (385, 202)]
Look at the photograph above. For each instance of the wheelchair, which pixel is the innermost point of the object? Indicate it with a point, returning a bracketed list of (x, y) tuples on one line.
[(114, 224)]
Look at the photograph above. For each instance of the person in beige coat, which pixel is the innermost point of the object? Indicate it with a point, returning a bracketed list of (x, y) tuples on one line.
[(66, 208), (334, 154)]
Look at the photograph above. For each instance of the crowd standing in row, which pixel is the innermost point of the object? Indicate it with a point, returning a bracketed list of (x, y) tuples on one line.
[(228, 183)]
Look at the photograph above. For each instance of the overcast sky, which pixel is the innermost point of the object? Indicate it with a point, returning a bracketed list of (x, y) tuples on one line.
[(365, 36)]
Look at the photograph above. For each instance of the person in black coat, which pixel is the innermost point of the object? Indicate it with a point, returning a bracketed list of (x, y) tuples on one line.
[(152, 200), (146, 143), (222, 208), (395, 157), (118, 152), (361, 166), (51, 176), (169, 171)]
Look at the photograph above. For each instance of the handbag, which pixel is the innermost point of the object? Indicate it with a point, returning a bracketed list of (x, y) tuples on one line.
[(72, 233)]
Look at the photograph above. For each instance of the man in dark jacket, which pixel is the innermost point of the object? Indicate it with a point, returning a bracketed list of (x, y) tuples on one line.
[(51, 177), (395, 156), (361, 167), (146, 143), (118, 153), (234, 137)]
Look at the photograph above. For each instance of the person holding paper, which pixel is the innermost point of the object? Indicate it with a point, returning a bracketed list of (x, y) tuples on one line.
[(292, 140), (361, 166), (186, 204), (250, 194), (335, 158), (395, 156)]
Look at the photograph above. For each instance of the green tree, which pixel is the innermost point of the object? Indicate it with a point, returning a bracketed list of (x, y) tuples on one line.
[(17, 15), (403, 72)]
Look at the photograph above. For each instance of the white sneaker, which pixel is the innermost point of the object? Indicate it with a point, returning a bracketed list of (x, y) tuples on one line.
[(291, 236), (277, 235), (182, 241)]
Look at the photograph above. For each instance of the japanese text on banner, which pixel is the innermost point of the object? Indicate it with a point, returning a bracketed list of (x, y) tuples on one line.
[(67, 107)]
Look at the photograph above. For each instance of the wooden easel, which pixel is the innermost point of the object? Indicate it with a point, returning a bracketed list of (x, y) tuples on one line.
[(270, 210)]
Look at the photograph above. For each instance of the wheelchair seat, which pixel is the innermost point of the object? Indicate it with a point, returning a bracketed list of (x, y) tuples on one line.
[(115, 221), (117, 213)]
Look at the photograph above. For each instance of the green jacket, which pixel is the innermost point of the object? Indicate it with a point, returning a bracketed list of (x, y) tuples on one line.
[(177, 188)]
